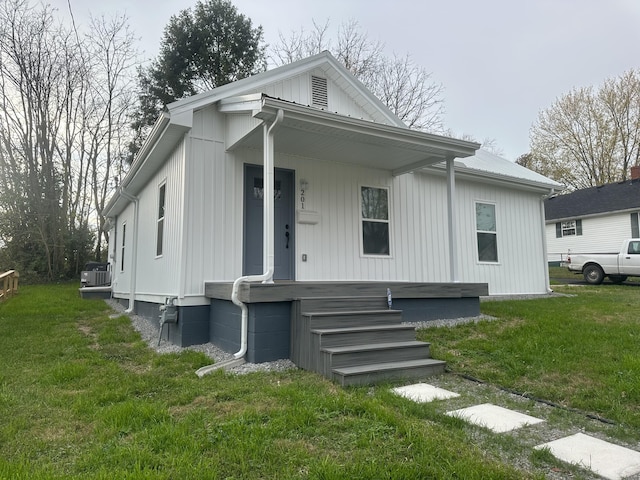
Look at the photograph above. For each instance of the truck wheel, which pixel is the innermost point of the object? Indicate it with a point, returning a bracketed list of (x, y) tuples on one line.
[(593, 274), (617, 279)]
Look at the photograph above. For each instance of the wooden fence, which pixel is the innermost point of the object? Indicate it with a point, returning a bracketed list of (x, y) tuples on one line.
[(9, 281)]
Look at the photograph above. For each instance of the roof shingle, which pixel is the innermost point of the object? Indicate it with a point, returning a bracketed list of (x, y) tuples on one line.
[(613, 197)]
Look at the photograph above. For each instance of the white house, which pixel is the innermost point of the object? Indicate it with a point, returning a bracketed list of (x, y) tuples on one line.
[(355, 203), (593, 220)]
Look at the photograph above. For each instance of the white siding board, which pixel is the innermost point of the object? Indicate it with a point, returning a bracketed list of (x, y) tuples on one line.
[(159, 276), (212, 218), (520, 267), (599, 234), (298, 89), (122, 278), (213, 228)]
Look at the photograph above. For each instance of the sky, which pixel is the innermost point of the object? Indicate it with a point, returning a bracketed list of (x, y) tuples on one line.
[(500, 62)]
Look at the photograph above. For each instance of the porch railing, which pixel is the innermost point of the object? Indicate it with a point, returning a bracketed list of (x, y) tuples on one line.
[(9, 282)]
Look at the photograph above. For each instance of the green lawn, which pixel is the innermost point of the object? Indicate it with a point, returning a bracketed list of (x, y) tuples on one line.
[(81, 396), (581, 350)]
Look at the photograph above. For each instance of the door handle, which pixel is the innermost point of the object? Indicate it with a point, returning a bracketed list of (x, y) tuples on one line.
[(286, 234)]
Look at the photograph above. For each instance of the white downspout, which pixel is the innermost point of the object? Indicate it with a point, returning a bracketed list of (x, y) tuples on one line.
[(134, 253), (267, 235), (268, 249), (545, 252)]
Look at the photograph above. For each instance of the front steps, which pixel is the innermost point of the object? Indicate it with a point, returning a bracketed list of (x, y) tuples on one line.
[(357, 341)]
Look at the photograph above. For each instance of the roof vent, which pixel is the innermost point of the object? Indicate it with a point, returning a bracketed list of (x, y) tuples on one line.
[(319, 92)]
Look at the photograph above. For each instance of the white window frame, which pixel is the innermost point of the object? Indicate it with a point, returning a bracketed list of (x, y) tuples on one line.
[(388, 221), (478, 231), (569, 228), (160, 218)]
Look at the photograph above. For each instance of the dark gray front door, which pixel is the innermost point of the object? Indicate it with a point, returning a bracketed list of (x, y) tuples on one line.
[(283, 226)]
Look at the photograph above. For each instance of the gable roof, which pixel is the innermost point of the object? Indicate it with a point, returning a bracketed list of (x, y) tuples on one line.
[(324, 61), (610, 198)]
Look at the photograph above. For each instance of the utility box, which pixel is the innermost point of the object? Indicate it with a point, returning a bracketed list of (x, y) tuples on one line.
[(168, 314), (95, 275)]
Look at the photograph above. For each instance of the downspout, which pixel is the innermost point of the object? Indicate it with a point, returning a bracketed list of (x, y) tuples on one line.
[(545, 253), (268, 248), (268, 233), (451, 211), (113, 260), (134, 255)]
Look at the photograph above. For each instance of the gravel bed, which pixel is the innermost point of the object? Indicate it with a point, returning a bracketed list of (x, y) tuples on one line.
[(449, 322), (148, 330)]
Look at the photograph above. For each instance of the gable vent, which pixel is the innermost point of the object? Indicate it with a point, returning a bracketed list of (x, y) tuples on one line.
[(319, 92)]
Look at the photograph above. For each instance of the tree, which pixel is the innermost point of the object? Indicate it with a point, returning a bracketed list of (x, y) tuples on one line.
[(403, 86), (61, 124), (590, 137), (107, 111), (201, 49)]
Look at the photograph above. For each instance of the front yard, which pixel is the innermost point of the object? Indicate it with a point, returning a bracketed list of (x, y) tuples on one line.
[(81, 396)]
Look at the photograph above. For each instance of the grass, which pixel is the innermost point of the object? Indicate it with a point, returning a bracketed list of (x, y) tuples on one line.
[(581, 351), (81, 396)]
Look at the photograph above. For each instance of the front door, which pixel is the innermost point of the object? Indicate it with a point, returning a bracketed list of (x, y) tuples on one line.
[(283, 226)]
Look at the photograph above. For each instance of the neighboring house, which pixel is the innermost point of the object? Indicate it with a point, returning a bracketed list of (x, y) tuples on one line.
[(358, 204), (593, 220)]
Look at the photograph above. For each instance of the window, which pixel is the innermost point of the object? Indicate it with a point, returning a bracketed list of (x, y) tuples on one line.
[(124, 236), (568, 228), (635, 225), (634, 248), (486, 232), (374, 211), (160, 222)]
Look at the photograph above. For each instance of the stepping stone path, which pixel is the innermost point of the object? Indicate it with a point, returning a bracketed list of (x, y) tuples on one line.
[(606, 459)]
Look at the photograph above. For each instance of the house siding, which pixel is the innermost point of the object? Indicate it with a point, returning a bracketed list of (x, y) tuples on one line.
[(213, 210), (297, 89), (521, 266), (419, 232), (204, 230), (603, 233), (156, 276)]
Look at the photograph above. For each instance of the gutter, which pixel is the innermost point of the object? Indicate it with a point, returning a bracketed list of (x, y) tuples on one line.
[(268, 249)]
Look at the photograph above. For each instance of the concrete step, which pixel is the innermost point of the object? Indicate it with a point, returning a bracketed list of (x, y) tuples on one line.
[(352, 318), (390, 371), (354, 355), (337, 337)]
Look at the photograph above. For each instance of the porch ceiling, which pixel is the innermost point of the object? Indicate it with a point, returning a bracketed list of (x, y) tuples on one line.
[(313, 133)]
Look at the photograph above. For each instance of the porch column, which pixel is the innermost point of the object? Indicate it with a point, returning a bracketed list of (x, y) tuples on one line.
[(268, 218), (453, 229)]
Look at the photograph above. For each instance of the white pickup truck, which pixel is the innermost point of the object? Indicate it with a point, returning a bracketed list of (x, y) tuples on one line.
[(617, 266)]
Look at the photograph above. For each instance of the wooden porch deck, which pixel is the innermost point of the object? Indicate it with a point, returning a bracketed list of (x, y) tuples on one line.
[(346, 331), (282, 291)]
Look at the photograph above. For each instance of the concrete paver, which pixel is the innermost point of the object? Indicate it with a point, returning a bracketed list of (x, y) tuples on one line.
[(603, 458), (606, 459), (495, 418), (424, 393)]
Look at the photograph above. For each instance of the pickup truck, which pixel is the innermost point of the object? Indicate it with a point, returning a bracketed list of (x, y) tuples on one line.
[(617, 266)]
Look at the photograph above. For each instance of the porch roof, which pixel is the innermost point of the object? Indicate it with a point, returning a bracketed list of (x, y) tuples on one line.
[(315, 133)]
